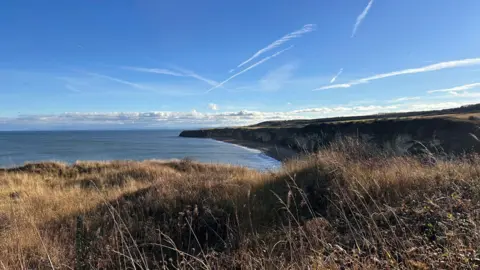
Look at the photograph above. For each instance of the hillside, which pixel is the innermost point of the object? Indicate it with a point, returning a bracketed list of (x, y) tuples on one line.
[(459, 113), (446, 131), (350, 206)]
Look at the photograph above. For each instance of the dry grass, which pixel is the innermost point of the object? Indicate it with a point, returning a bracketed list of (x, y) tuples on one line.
[(349, 205)]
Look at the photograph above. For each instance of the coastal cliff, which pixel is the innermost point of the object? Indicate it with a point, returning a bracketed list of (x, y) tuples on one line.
[(437, 134)]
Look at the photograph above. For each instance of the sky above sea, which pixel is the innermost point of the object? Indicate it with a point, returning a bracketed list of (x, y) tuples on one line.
[(176, 64)]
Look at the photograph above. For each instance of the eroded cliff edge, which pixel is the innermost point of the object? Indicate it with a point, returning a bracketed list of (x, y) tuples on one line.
[(437, 134)]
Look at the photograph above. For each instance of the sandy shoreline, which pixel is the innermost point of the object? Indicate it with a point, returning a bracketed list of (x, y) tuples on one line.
[(277, 152)]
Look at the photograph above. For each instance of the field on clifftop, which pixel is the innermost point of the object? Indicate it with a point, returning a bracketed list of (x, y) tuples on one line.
[(464, 113), (349, 205)]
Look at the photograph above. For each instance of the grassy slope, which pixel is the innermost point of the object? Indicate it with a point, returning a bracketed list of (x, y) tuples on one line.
[(464, 113), (349, 205)]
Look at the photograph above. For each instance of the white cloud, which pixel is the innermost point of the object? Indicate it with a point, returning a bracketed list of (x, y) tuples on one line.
[(72, 88), (179, 73), (466, 94), (195, 118), (213, 106), (74, 81), (146, 119), (361, 17), (456, 88), (296, 34), (403, 99), (339, 110), (275, 79), (113, 79), (99, 84), (250, 67), (336, 76), (324, 110), (154, 70), (437, 106), (194, 75), (344, 110), (334, 86), (457, 95), (434, 67), (243, 88)]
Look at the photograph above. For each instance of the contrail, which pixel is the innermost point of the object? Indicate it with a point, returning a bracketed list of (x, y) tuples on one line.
[(434, 67), (457, 88), (361, 17), (336, 76), (295, 34), (250, 67)]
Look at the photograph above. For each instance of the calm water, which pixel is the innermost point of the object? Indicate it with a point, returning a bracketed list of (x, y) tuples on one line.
[(16, 148)]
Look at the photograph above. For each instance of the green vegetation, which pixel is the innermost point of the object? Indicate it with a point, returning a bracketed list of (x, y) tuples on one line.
[(349, 205)]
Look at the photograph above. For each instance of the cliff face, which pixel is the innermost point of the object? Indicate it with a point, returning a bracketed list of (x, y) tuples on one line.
[(436, 133)]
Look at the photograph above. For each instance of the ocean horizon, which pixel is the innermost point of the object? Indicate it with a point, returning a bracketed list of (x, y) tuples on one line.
[(20, 147)]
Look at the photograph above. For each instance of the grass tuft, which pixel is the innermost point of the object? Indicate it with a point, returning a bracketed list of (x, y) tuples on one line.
[(348, 205)]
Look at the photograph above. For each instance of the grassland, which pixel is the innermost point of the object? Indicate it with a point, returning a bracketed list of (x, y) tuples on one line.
[(348, 206), (469, 113)]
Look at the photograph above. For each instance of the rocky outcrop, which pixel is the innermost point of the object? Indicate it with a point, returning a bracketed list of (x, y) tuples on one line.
[(438, 134)]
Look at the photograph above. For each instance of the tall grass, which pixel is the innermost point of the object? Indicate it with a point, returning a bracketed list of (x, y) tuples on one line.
[(349, 205)]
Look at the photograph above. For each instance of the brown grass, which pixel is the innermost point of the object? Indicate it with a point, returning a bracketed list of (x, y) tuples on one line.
[(349, 205)]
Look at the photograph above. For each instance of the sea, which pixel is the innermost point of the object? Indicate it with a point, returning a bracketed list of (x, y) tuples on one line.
[(20, 147)]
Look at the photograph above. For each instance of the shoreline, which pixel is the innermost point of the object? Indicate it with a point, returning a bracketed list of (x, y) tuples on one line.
[(276, 152), (279, 153)]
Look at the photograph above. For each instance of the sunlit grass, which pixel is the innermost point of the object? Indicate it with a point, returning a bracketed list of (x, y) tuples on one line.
[(349, 205)]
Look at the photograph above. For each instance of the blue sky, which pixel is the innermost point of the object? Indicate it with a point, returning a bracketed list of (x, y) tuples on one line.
[(68, 64)]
